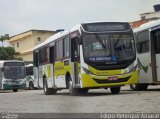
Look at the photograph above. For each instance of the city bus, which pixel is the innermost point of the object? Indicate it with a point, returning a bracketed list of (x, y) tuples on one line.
[(148, 54), (29, 77), (12, 75), (87, 56)]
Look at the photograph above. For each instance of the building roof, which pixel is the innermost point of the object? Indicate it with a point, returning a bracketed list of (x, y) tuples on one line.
[(27, 33), (147, 13), (136, 24), (32, 30)]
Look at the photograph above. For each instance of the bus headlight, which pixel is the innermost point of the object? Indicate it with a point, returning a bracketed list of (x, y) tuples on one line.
[(87, 71)]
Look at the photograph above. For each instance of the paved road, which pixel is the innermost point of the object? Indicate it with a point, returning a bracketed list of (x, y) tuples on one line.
[(96, 101)]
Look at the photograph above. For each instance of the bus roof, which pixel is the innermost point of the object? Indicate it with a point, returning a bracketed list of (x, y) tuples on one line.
[(147, 25), (52, 38), (58, 35), (3, 61), (63, 33)]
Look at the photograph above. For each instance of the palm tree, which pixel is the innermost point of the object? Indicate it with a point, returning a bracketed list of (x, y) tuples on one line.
[(3, 38)]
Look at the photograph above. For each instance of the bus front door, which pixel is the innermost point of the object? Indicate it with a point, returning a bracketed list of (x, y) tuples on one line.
[(75, 59), (36, 70), (51, 53), (156, 51)]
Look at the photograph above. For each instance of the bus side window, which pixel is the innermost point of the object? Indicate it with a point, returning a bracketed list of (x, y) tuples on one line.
[(46, 55), (40, 56), (143, 42), (35, 59), (59, 50), (29, 71), (51, 54), (66, 47)]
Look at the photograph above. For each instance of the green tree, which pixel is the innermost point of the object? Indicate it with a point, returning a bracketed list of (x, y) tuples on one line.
[(3, 38), (3, 53), (9, 53)]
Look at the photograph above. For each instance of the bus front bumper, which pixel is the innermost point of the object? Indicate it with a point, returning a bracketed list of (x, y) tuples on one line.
[(92, 81), (10, 86)]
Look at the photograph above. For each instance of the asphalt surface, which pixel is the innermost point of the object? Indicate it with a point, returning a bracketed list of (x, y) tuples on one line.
[(96, 101)]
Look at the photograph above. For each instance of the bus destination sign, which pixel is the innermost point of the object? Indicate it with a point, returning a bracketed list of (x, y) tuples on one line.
[(102, 27)]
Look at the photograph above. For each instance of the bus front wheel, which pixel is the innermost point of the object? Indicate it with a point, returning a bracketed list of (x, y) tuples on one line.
[(31, 85), (139, 87), (15, 90), (48, 91), (73, 91), (115, 90)]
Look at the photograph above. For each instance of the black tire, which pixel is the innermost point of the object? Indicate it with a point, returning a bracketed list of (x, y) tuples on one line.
[(15, 90), (31, 85), (48, 91), (83, 90), (115, 90), (139, 87), (73, 91)]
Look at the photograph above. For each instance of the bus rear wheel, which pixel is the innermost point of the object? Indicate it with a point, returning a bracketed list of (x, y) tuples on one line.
[(48, 91), (15, 90), (31, 85), (139, 87), (115, 90), (73, 91)]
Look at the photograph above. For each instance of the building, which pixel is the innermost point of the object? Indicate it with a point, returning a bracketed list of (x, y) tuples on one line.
[(147, 17), (26, 41), (150, 15)]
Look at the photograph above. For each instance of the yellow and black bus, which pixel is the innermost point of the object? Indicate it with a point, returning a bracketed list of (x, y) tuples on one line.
[(87, 56)]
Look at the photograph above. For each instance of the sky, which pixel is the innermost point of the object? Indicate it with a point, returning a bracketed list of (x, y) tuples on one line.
[(17, 16)]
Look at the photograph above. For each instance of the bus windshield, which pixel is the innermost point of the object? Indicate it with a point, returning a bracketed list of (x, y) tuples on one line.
[(29, 70), (14, 70), (109, 48)]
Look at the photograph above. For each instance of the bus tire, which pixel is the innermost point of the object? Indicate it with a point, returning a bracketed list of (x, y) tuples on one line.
[(15, 90), (83, 90), (115, 90), (73, 91), (31, 85), (48, 91), (139, 87)]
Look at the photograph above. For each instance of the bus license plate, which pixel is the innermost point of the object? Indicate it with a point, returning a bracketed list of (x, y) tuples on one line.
[(112, 78)]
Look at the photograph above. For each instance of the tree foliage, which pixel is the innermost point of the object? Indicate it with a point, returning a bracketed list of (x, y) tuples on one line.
[(3, 38), (9, 53)]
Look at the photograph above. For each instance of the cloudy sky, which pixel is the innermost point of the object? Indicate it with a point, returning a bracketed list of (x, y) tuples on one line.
[(18, 16)]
